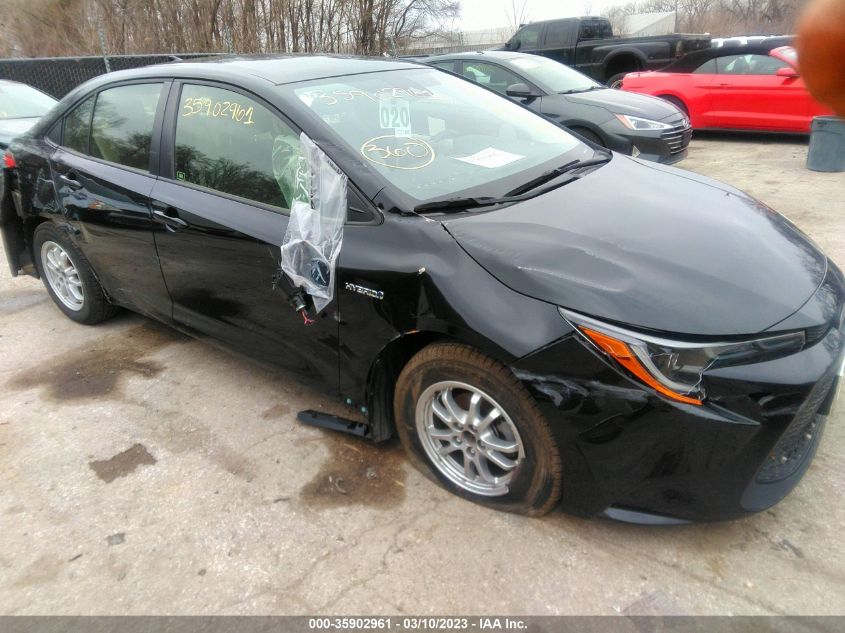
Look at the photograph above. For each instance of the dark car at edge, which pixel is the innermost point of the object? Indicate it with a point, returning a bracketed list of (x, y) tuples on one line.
[(644, 126), (539, 321)]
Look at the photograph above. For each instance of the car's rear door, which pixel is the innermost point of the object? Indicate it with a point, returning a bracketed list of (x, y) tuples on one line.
[(102, 171), (222, 214)]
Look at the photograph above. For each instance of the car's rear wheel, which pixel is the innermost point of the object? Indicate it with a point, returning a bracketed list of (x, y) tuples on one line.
[(469, 424), (68, 277)]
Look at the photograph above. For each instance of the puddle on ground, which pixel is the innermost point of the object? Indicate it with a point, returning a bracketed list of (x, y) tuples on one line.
[(96, 371), (123, 463), (357, 472)]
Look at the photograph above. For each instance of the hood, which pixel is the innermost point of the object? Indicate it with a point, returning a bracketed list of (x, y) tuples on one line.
[(655, 248), (620, 102), (10, 128)]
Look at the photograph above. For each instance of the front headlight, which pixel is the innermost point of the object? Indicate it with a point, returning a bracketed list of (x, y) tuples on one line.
[(675, 368), (640, 124)]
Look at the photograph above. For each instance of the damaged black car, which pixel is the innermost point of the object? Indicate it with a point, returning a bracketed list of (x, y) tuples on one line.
[(539, 321)]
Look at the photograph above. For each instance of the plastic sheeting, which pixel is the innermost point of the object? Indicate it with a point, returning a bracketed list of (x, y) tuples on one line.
[(316, 190)]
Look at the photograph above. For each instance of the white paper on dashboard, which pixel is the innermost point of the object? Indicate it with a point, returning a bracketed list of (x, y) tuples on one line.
[(491, 158)]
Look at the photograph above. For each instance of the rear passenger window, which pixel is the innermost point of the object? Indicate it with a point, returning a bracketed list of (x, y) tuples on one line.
[(78, 126), (232, 144), (450, 66), (122, 126)]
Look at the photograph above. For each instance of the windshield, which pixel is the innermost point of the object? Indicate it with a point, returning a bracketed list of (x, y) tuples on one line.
[(18, 101), (554, 76), (431, 134)]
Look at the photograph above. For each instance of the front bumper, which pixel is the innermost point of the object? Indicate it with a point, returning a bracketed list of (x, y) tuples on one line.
[(659, 146), (633, 455)]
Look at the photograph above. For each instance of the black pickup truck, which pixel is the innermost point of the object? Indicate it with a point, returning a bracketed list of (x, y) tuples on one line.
[(588, 44)]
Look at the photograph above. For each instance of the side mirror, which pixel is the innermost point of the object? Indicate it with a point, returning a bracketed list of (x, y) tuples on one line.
[(515, 44), (787, 71), (520, 91)]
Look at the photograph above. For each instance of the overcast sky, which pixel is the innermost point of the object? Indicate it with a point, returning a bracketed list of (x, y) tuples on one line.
[(482, 14)]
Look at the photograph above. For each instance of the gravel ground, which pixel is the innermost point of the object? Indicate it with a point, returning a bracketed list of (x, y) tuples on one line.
[(145, 473)]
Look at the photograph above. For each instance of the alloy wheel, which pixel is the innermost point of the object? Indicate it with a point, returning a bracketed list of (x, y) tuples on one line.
[(469, 437), (62, 275)]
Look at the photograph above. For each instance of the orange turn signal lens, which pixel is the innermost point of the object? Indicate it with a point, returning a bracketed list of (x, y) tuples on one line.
[(623, 355)]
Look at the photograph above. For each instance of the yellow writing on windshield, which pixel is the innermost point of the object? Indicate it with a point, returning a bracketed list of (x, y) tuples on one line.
[(337, 96), (398, 152)]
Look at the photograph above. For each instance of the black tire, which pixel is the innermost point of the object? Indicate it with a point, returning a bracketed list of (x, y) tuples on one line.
[(95, 306), (589, 135), (534, 485), (615, 81), (677, 103)]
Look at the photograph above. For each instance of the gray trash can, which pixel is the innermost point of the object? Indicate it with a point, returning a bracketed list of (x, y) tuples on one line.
[(827, 144)]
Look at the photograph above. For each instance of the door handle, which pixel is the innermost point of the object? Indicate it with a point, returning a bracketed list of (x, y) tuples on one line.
[(170, 218), (70, 181)]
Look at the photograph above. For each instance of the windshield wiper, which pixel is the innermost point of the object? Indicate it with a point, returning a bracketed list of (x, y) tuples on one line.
[(515, 195), (558, 171), (450, 204)]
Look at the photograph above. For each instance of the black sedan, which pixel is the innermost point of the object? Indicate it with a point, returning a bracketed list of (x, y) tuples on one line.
[(536, 319), (632, 124)]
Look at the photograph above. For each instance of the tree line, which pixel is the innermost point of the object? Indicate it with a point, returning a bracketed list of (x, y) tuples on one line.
[(45, 28), (720, 18)]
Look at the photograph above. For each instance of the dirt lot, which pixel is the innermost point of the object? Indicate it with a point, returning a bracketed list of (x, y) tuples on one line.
[(143, 472)]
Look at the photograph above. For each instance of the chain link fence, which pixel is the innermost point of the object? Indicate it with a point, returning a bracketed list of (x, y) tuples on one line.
[(59, 75)]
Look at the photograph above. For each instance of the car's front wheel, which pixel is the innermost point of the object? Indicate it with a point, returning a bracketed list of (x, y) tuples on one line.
[(68, 277), (470, 425)]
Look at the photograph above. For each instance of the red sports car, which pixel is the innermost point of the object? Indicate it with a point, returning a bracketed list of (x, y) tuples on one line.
[(735, 88)]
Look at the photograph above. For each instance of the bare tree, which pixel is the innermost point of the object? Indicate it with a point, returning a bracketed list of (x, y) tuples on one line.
[(70, 27), (517, 15), (718, 17)]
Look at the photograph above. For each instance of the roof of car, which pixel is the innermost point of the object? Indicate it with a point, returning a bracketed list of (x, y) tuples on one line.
[(691, 61), (276, 69)]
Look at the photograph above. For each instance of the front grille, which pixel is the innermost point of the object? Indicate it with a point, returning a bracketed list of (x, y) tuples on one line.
[(678, 137), (798, 439)]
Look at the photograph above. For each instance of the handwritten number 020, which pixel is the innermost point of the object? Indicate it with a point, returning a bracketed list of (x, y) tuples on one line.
[(394, 117)]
